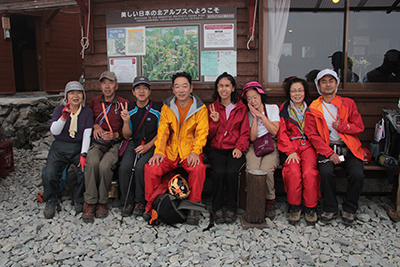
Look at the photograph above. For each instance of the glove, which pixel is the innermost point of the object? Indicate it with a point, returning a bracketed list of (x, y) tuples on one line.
[(66, 112), (82, 162)]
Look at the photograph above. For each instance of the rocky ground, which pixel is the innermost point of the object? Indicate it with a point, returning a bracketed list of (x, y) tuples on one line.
[(27, 239)]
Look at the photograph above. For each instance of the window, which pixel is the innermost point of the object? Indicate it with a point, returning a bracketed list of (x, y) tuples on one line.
[(307, 36)]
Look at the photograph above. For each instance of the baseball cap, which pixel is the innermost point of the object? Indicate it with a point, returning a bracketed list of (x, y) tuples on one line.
[(74, 86), (140, 80), (109, 75), (324, 72), (253, 85)]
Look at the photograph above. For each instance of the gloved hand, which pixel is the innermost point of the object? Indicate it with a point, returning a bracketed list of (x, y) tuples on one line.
[(82, 162), (66, 111)]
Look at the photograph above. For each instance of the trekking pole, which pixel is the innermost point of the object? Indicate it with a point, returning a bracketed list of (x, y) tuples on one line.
[(129, 186)]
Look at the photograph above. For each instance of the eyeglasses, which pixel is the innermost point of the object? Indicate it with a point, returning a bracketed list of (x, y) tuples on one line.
[(297, 91)]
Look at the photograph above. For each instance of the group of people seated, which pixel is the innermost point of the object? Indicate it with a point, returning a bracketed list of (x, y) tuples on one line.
[(313, 137)]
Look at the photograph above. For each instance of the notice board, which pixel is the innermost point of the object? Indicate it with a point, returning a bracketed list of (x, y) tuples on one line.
[(160, 42)]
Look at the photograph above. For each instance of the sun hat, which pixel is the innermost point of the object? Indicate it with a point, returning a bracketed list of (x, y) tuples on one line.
[(323, 73), (252, 85), (74, 86), (109, 75)]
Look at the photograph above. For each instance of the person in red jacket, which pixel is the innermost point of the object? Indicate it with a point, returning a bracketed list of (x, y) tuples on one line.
[(229, 135), (300, 173), (332, 126)]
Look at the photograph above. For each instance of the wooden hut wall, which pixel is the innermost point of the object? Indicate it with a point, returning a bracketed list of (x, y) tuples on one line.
[(61, 61), (6, 65), (96, 63)]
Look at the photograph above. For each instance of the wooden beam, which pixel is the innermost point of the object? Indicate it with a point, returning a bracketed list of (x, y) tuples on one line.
[(50, 15), (392, 7), (317, 5), (82, 5)]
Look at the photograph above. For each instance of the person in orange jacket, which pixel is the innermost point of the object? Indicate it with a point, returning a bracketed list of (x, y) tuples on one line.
[(300, 172), (332, 126), (181, 136)]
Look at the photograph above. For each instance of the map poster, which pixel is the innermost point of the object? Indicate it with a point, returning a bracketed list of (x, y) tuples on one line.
[(170, 50), (214, 63), (125, 68), (136, 41), (116, 42), (219, 35)]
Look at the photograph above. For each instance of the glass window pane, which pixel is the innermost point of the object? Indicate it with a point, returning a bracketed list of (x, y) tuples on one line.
[(374, 44), (311, 36)]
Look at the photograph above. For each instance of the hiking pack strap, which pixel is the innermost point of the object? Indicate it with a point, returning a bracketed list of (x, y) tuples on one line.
[(144, 117), (105, 115), (190, 205)]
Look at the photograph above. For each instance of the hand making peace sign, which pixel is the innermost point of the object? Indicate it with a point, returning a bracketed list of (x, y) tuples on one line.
[(124, 112), (214, 114)]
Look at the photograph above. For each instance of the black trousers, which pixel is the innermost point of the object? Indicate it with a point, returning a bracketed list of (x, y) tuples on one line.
[(225, 178), (355, 175), (60, 154), (136, 193)]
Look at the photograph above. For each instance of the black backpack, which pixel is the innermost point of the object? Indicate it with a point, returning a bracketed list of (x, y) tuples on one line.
[(172, 210)]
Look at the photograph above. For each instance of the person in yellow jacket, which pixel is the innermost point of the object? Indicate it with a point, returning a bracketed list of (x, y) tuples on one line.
[(181, 136)]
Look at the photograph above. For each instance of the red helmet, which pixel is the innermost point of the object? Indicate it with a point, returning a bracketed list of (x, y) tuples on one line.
[(367, 155)]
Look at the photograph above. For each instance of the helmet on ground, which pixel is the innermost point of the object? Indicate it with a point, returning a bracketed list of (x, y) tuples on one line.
[(367, 155), (178, 187)]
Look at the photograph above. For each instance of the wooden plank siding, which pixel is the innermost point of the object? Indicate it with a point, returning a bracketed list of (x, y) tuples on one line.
[(6, 65), (249, 67), (61, 59), (96, 63)]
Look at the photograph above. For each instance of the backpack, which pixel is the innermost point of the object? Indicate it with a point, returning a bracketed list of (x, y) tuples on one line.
[(389, 146), (172, 210)]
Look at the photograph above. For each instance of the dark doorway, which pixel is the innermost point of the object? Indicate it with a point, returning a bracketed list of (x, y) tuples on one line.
[(23, 36)]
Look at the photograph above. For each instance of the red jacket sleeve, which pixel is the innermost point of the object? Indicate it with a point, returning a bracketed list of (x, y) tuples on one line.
[(355, 124), (213, 126), (244, 136), (284, 143)]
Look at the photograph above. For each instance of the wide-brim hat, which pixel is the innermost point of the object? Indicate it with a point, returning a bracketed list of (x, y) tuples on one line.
[(74, 86), (323, 73), (252, 85)]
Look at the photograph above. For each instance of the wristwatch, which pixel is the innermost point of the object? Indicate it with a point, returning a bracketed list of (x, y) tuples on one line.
[(84, 155)]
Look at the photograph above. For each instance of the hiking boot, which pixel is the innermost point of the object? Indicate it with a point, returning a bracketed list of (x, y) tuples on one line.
[(393, 215), (230, 216), (139, 209), (88, 212), (127, 211), (101, 210), (327, 216), (270, 209), (311, 215), (193, 217), (348, 218), (50, 208), (78, 207), (294, 214), (146, 216), (218, 216)]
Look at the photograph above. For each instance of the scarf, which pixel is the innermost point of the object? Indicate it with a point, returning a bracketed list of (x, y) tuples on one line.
[(73, 127), (298, 114)]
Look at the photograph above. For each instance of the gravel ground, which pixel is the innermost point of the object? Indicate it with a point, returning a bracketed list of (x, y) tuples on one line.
[(27, 239)]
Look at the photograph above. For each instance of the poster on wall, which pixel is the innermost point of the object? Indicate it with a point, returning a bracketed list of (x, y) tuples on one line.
[(214, 63), (125, 68), (136, 41), (219, 35), (116, 42), (170, 50), (200, 40)]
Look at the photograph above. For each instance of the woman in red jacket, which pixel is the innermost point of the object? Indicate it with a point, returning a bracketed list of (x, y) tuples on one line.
[(229, 134), (300, 172)]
